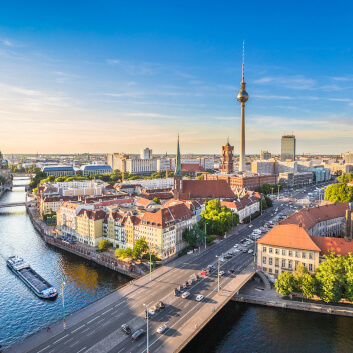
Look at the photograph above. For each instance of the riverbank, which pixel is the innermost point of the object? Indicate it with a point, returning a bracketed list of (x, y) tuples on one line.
[(85, 251), (256, 293)]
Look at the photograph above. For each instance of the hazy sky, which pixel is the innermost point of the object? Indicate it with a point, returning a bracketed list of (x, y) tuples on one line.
[(115, 76)]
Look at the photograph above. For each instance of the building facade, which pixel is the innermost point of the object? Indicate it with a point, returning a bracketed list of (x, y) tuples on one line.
[(146, 153), (289, 180), (227, 158), (265, 155), (94, 169), (288, 143), (58, 171)]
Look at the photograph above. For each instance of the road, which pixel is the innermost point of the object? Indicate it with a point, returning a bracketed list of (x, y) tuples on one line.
[(100, 332)]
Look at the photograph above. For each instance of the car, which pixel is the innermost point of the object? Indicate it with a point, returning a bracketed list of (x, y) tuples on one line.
[(185, 295), (250, 251), (250, 225), (176, 292), (245, 250), (155, 308), (221, 273), (236, 245), (137, 334), (147, 314), (230, 271), (162, 328), (160, 304), (203, 273), (199, 297), (236, 250), (126, 329)]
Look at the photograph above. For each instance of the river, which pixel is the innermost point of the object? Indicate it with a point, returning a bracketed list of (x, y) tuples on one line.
[(22, 313)]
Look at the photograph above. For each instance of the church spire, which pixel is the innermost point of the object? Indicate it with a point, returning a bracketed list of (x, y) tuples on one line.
[(178, 162)]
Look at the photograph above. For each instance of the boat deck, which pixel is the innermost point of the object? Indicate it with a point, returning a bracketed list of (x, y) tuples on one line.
[(33, 278)]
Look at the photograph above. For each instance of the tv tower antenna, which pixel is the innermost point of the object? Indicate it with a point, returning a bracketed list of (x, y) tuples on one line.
[(243, 62)]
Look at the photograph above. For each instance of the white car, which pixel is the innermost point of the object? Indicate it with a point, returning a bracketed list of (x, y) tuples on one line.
[(152, 312), (221, 273), (250, 225), (199, 297), (236, 245), (185, 295), (162, 328), (250, 251), (236, 250)]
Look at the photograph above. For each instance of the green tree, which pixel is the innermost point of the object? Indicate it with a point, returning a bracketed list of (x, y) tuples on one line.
[(156, 200), (339, 193), (348, 287), (268, 201), (265, 188), (104, 244), (345, 178), (330, 278), (140, 248), (304, 282), (285, 283), (218, 219), (192, 235)]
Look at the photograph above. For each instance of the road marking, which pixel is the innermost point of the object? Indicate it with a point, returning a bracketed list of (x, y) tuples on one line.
[(77, 329), (120, 303), (93, 319), (60, 338), (121, 350), (106, 323), (85, 330), (107, 311), (74, 344), (100, 321), (81, 350), (69, 340), (44, 349)]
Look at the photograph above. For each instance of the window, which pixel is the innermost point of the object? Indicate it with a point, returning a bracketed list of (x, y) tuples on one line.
[(310, 267), (283, 263), (264, 259), (270, 260), (283, 252), (276, 251), (304, 255), (297, 254), (276, 262), (270, 250), (264, 249), (311, 256), (289, 253), (290, 264), (276, 272), (270, 270)]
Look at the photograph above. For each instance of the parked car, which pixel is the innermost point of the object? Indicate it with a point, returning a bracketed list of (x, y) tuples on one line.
[(250, 251), (176, 292), (203, 273), (152, 312), (137, 334), (221, 273), (199, 297), (162, 328), (147, 314), (155, 308), (126, 329), (185, 295), (230, 271)]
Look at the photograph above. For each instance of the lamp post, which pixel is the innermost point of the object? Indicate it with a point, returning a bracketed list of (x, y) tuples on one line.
[(218, 263), (147, 314), (272, 192), (62, 288), (278, 191), (205, 236), (150, 266)]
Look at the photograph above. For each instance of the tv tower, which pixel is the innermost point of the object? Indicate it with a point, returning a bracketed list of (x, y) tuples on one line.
[(242, 98)]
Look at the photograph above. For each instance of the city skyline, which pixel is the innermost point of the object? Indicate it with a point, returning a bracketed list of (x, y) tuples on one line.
[(120, 80)]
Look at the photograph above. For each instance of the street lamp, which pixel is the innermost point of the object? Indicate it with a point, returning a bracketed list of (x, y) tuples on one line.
[(218, 263), (62, 287), (147, 314), (150, 263), (205, 236)]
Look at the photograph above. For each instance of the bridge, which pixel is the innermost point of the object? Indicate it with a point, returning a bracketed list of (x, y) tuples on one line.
[(96, 329), (12, 204)]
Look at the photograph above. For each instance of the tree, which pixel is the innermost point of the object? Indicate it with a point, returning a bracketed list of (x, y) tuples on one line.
[(156, 200), (339, 193), (263, 204), (104, 244), (268, 201), (218, 219), (348, 266), (285, 283), (193, 235), (140, 248), (304, 282), (345, 178), (124, 253), (265, 188), (330, 278)]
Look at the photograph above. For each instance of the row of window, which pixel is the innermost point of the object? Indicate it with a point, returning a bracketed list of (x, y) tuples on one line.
[(283, 263), (290, 253)]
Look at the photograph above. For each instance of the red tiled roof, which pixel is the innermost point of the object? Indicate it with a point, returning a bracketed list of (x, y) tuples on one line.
[(167, 216), (95, 215), (289, 236), (60, 198), (308, 217), (160, 195), (141, 201), (206, 189), (185, 167), (338, 245)]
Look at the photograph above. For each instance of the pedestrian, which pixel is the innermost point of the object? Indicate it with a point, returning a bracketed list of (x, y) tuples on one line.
[(48, 329)]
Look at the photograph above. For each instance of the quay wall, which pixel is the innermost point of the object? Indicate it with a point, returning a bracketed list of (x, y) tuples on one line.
[(294, 305)]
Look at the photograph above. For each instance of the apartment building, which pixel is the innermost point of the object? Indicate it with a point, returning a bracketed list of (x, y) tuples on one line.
[(89, 226)]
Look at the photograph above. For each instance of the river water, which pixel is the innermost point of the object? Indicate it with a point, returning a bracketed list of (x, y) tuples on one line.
[(21, 312), (237, 328)]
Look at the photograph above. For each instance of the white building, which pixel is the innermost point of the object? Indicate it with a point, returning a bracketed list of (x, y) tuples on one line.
[(146, 153), (151, 183)]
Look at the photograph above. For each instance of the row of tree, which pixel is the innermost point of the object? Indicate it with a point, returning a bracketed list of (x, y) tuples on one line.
[(140, 248), (268, 188), (340, 192), (332, 281)]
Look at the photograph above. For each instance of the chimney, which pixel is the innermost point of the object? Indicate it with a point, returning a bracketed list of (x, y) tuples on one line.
[(300, 225)]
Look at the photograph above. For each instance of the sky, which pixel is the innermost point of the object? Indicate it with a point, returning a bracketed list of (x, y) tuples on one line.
[(118, 76)]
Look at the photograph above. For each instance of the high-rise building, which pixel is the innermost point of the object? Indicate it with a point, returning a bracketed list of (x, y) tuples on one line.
[(265, 155), (348, 157), (242, 98), (146, 153), (288, 147), (227, 158)]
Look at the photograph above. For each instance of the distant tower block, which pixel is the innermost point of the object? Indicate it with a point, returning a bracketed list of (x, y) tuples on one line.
[(227, 158), (242, 98)]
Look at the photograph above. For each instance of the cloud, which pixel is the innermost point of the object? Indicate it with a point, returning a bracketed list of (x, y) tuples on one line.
[(138, 68), (292, 82), (227, 118), (262, 96), (9, 43), (63, 76)]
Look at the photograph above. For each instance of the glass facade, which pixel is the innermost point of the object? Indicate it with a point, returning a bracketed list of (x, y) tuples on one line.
[(288, 147)]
